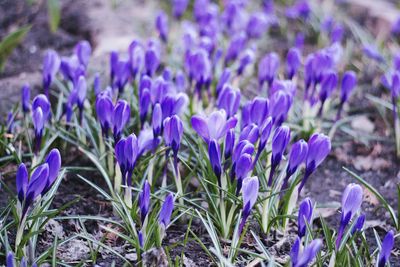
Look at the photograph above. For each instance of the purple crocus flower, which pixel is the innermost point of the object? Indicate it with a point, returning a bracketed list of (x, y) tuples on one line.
[(300, 9), (173, 132), (255, 112), (39, 121), (26, 98), (319, 146), (242, 168), (127, 153), (53, 159), (293, 62), (251, 133), (114, 58), (83, 50), (81, 89), (10, 259), (162, 25), (250, 193), (303, 257), (264, 136), (358, 226), (268, 68), (305, 216), (229, 143), (42, 102), (281, 102), (180, 81), (351, 203), (236, 45), (215, 126), (349, 82), (245, 59), (157, 120), (298, 155), (144, 201), (51, 65), (386, 248), (121, 115), (396, 27), (200, 69), (243, 147), (299, 40), (104, 110), (97, 84), (36, 185), (279, 142), (10, 122), (257, 25), (152, 58), (122, 73), (136, 58), (166, 211), (22, 182), (69, 106), (337, 33), (223, 79), (328, 85), (229, 100), (179, 7), (71, 68), (214, 154)]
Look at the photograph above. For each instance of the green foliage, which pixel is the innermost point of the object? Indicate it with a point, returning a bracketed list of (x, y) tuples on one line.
[(10, 42)]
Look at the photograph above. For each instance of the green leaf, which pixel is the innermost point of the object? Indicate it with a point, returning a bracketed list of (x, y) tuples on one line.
[(9, 43), (54, 9)]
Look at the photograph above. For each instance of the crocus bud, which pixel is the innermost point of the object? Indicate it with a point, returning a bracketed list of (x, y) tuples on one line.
[(257, 25), (246, 59), (173, 132), (26, 98), (53, 159), (114, 58), (328, 85), (104, 110), (180, 81), (229, 100), (214, 126), (127, 152), (372, 52), (298, 155), (264, 136), (121, 74), (268, 68), (144, 201), (337, 33), (303, 257), (36, 185), (358, 226), (122, 113), (229, 143), (152, 58), (38, 123), (81, 89), (162, 25), (51, 65), (10, 259), (215, 158), (293, 62), (83, 50), (250, 193), (349, 81), (281, 103), (166, 211), (242, 168), (157, 119), (22, 182), (279, 142), (179, 7), (305, 216), (255, 112), (319, 146), (250, 133), (386, 248), (351, 203), (226, 74), (136, 58), (236, 45), (144, 104), (42, 102), (299, 40)]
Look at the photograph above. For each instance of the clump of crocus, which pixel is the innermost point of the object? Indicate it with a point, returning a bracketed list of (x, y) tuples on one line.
[(121, 116), (303, 256), (26, 98), (298, 155), (51, 65), (319, 146), (40, 115), (351, 203), (279, 142), (250, 194), (305, 216), (386, 248), (349, 82)]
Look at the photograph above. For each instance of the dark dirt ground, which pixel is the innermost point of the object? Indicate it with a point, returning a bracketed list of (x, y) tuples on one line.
[(325, 186)]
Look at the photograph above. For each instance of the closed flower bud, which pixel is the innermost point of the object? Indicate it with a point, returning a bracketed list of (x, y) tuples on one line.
[(386, 248), (279, 142), (26, 98), (144, 201), (250, 194), (268, 68), (157, 119), (305, 216), (173, 132), (83, 50), (293, 62), (215, 158), (166, 211), (121, 115), (162, 25), (51, 65), (229, 100), (104, 110)]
